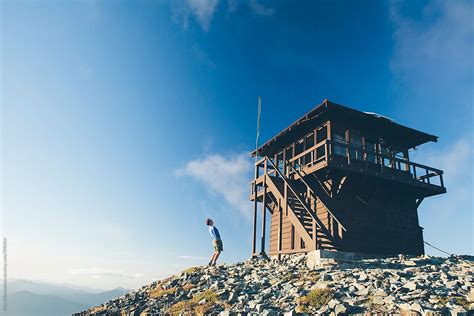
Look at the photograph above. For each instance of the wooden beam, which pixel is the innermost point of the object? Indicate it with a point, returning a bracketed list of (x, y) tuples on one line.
[(418, 202), (254, 236), (264, 215), (280, 224)]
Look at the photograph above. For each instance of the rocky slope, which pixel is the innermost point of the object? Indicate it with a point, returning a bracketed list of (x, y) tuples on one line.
[(425, 285)]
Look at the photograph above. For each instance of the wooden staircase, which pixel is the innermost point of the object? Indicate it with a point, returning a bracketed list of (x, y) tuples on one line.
[(293, 197)]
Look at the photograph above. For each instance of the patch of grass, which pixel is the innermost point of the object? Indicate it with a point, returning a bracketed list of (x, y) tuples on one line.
[(458, 300), (317, 298), (98, 309), (188, 286), (159, 292), (193, 305), (312, 276), (191, 270)]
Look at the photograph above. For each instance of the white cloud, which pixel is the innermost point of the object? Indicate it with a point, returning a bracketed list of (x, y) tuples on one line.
[(440, 43), (450, 213), (259, 8), (456, 163), (201, 10), (98, 273), (193, 258), (226, 176)]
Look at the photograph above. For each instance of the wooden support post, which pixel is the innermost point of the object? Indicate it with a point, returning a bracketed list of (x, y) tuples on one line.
[(292, 237), (254, 238), (315, 235), (280, 228), (264, 214), (407, 158)]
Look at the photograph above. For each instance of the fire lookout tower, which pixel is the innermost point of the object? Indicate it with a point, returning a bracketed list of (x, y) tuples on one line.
[(341, 179)]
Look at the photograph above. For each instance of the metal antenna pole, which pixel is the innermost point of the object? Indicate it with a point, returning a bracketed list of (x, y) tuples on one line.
[(259, 112)]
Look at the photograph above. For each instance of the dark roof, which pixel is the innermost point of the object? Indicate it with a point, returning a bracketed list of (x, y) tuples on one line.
[(405, 137)]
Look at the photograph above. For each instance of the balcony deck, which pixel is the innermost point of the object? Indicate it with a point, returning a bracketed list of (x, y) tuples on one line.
[(359, 160)]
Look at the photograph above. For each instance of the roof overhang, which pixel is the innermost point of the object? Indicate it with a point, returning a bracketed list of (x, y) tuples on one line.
[(405, 137)]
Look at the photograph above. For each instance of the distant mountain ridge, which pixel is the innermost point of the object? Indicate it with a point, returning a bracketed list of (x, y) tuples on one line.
[(28, 298)]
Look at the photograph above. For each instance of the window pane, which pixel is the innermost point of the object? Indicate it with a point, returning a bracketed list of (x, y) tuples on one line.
[(309, 141), (355, 140), (322, 134), (371, 149), (339, 144)]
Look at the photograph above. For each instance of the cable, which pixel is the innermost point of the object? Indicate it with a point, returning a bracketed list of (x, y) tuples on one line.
[(450, 254)]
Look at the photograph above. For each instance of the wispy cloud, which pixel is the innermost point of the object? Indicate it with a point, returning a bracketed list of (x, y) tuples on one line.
[(452, 211), (455, 161), (260, 9), (201, 10), (193, 258), (98, 273), (227, 176), (437, 47)]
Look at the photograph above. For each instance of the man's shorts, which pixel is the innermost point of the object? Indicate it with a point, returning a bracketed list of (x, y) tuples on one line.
[(217, 243)]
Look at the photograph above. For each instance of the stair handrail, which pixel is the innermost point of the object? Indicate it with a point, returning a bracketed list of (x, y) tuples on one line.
[(307, 185), (297, 195)]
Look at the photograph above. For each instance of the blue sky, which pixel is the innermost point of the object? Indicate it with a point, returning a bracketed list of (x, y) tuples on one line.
[(114, 112)]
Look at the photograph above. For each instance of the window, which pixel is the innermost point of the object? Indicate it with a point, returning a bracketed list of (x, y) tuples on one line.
[(289, 153), (299, 146), (309, 143), (386, 152), (321, 134), (371, 149), (355, 140), (280, 162), (339, 143)]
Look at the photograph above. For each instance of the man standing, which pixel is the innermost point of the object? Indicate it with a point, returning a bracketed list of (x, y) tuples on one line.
[(216, 242)]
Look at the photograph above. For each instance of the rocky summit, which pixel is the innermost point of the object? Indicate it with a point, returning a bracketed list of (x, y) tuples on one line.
[(400, 285)]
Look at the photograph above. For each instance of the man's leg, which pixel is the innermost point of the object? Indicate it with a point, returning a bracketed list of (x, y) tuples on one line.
[(212, 259), (216, 256)]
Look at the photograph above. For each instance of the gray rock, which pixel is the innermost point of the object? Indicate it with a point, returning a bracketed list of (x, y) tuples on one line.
[(378, 300), (411, 286), (340, 309), (362, 292), (363, 276)]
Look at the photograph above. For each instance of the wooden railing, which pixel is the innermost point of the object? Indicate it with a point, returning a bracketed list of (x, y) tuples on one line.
[(328, 150)]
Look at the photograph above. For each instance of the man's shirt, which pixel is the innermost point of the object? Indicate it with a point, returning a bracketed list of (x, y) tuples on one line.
[(214, 232)]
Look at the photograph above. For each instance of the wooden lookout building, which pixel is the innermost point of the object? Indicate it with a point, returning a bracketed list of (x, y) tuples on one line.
[(342, 179)]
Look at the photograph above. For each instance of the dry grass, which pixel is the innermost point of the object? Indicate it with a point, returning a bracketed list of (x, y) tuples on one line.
[(98, 309), (188, 286), (192, 306), (159, 292), (312, 276), (317, 298), (191, 270), (458, 300)]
